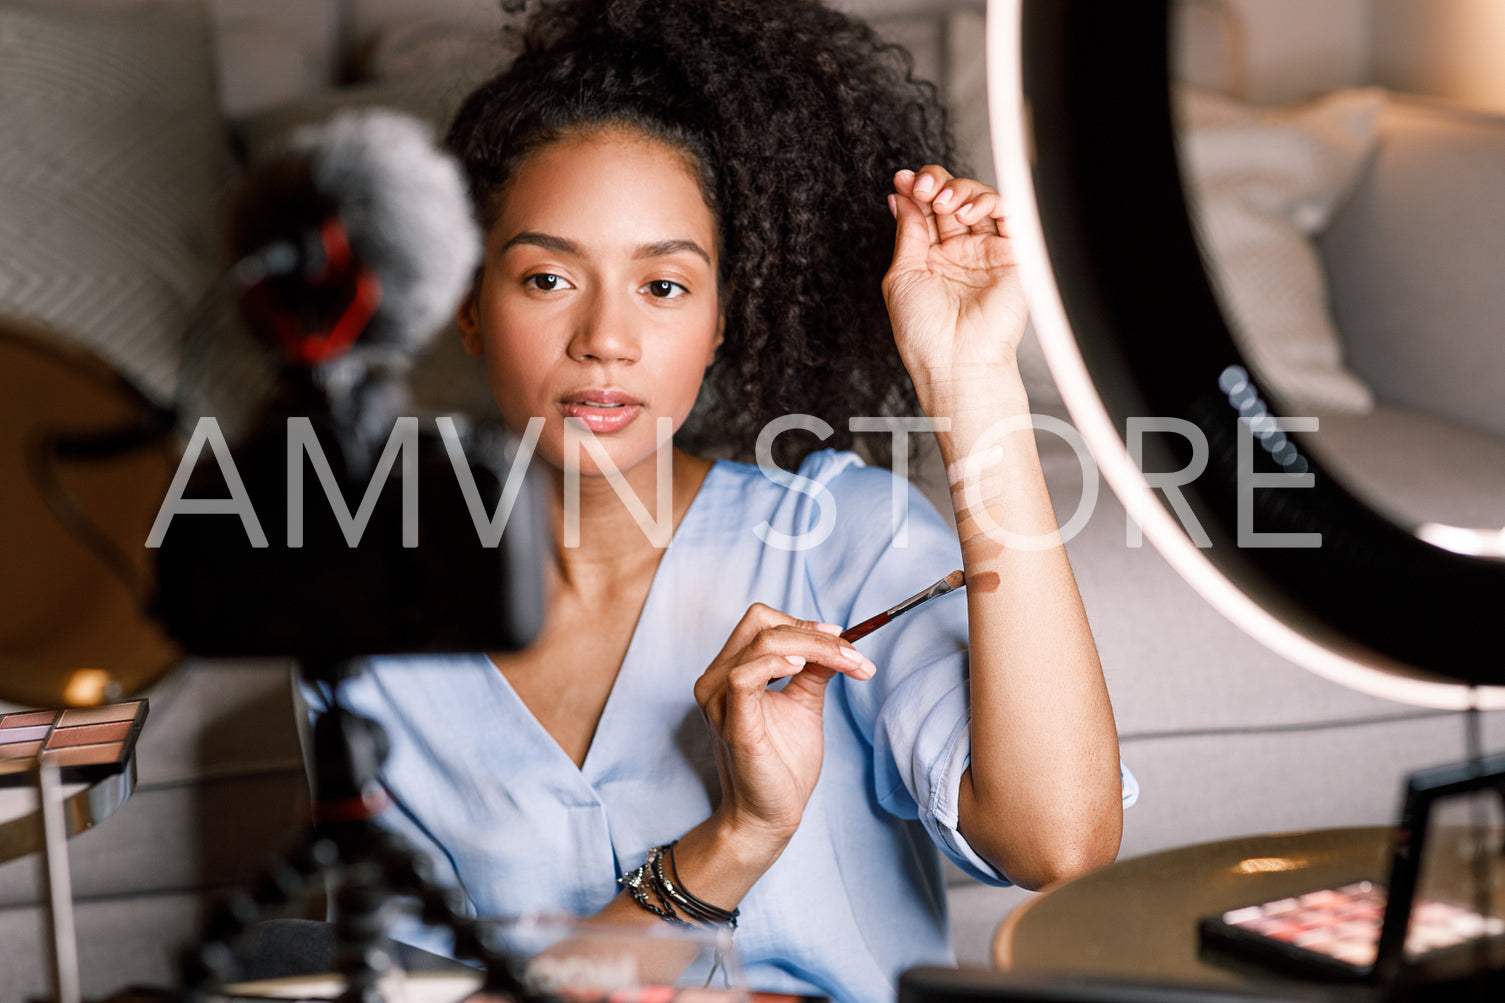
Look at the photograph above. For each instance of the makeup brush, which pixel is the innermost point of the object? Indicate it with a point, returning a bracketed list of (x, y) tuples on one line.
[(950, 583)]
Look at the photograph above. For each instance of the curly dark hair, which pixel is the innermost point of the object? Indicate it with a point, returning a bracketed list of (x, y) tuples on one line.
[(797, 117)]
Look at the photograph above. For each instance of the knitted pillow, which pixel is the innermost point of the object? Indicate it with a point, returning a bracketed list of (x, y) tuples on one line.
[(113, 165)]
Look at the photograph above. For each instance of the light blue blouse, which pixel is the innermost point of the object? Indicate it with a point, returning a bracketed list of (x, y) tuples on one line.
[(858, 895)]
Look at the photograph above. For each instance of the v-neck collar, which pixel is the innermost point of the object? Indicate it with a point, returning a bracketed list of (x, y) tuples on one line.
[(591, 768)]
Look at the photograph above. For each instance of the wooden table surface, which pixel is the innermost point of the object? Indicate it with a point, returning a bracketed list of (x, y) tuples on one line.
[(1138, 918)]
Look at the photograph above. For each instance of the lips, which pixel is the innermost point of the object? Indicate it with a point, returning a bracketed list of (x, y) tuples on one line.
[(603, 410)]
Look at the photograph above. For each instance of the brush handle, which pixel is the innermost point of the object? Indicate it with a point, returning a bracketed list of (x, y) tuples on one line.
[(865, 628)]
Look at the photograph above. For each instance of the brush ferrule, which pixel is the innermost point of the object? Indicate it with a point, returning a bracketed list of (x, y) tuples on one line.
[(940, 588)]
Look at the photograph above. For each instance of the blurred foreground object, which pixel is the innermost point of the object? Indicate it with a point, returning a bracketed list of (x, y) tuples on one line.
[(72, 630)]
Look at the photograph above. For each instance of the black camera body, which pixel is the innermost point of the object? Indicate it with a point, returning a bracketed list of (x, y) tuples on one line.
[(328, 599)]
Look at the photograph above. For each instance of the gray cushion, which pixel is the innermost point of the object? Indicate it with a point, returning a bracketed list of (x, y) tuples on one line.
[(1416, 467), (120, 942), (1414, 260)]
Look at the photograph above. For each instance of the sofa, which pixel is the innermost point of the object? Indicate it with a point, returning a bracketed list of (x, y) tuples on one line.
[(1225, 737)]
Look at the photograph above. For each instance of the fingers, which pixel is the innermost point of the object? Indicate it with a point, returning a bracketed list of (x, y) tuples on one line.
[(915, 235), (958, 205), (765, 630), (815, 647), (721, 692), (741, 711), (925, 184), (759, 616), (749, 680), (809, 685), (782, 645), (767, 645)]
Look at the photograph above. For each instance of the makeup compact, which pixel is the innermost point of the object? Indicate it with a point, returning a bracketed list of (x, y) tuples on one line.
[(87, 743)]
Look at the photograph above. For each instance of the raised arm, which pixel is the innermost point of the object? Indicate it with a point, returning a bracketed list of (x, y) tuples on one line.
[(1042, 797)]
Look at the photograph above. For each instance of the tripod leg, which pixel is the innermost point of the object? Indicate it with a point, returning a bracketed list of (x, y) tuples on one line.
[(372, 865), (411, 874), (359, 928), (286, 882)]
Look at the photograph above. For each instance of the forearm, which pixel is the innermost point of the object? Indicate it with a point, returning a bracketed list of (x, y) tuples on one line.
[(715, 862), (1042, 798)]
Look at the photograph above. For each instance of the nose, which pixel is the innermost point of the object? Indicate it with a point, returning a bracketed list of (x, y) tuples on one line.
[(604, 331)]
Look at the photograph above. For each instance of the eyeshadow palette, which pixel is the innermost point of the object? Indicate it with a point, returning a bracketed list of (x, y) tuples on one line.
[(87, 743), (1336, 931)]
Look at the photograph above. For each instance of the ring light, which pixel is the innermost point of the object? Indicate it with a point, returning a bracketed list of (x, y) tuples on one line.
[(1082, 134)]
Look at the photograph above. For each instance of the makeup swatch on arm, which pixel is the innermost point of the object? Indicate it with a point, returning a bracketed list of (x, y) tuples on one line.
[(984, 581), (982, 547)]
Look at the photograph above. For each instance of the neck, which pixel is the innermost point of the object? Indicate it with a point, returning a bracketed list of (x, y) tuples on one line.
[(616, 537)]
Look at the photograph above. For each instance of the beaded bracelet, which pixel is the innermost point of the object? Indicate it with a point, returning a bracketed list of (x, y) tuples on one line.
[(673, 897), (639, 883)]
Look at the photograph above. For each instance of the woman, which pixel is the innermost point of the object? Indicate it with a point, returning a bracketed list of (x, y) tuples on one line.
[(671, 189)]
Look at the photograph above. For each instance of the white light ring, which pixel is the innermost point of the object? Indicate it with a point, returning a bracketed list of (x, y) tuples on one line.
[(1348, 665)]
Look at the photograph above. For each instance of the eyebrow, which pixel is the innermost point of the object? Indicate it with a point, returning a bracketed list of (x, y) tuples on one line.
[(561, 245), (664, 248)]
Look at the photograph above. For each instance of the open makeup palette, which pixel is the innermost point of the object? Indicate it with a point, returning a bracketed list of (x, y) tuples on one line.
[(1438, 921), (87, 743), (1335, 932)]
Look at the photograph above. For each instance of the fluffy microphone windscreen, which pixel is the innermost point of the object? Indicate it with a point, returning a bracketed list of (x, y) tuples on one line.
[(404, 205)]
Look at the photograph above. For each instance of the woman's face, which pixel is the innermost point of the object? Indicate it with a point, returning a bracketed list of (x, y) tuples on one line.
[(597, 298)]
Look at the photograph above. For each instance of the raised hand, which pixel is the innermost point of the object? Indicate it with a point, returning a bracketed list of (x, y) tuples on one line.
[(953, 290), (769, 743)]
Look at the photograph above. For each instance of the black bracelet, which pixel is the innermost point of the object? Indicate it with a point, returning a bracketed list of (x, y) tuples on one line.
[(673, 897), (699, 908)]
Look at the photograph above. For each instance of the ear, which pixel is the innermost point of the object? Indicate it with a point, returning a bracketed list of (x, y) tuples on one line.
[(468, 319), (716, 341)]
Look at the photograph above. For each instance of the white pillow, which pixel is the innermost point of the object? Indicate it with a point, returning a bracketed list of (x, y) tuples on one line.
[(1261, 184), (113, 165)]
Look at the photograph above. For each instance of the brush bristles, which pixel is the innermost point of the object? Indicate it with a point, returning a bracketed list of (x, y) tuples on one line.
[(956, 580)]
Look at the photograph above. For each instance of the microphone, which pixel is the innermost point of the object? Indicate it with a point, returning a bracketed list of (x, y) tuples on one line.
[(356, 238), (355, 243)]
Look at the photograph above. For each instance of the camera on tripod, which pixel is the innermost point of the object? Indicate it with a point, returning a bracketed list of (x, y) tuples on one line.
[(351, 249)]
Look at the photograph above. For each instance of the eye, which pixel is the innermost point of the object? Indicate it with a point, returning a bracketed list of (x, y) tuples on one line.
[(664, 289), (547, 281)]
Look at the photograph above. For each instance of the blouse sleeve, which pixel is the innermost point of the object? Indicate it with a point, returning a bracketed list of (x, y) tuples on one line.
[(888, 543)]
